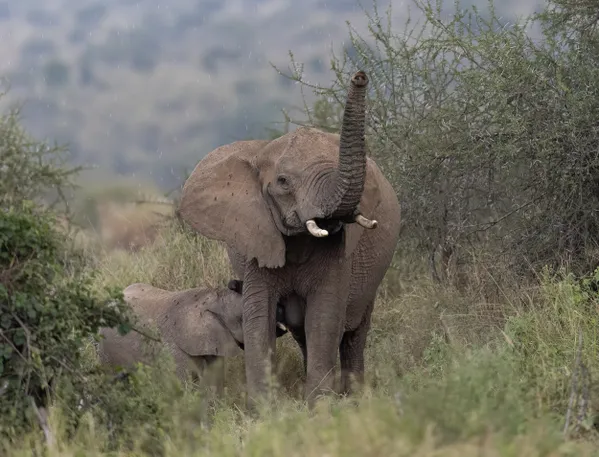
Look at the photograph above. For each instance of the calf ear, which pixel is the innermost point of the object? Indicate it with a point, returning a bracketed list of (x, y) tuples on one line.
[(205, 336)]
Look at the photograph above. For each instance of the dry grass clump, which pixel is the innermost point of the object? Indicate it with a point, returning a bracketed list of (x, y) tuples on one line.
[(177, 259)]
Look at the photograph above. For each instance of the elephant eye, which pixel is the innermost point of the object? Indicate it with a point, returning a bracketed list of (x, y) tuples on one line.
[(282, 181)]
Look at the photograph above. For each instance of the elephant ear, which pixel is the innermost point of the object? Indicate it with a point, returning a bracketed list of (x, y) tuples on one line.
[(211, 337), (196, 330), (222, 200), (370, 200)]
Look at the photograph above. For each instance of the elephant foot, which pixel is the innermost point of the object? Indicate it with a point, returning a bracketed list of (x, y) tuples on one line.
[(260, 404), (314, 391), (352, 383)]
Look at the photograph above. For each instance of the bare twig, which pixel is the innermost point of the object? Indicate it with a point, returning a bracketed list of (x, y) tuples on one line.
[(583, 406), (573, 390), (143, 333), (446, 331), (42, 418)]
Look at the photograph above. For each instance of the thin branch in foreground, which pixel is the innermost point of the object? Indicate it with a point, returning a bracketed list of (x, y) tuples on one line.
[(42, 418), (573, 390), (583, 407)]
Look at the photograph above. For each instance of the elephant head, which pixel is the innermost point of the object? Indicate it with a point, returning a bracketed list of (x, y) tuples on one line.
[(251, 194)]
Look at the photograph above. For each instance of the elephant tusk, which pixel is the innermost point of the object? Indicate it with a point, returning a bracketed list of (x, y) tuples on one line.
[(366, 223), (315, 230), (282, 327)]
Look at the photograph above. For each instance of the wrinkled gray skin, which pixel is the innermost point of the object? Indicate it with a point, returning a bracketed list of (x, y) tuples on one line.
[(269, 201), (200, 326)]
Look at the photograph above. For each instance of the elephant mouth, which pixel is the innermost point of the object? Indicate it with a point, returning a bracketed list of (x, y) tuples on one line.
[(291, 224)]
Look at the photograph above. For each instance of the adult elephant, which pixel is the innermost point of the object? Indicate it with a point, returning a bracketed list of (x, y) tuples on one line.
[(306, 214)]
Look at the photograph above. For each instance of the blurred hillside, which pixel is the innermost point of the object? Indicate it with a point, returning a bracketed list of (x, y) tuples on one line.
[(144, 89)]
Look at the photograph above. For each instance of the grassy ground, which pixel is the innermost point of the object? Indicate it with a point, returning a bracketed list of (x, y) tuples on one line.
[(477, 371)]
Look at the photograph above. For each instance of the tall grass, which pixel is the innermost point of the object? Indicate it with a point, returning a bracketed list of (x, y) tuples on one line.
[(177, 259), (447, 374)]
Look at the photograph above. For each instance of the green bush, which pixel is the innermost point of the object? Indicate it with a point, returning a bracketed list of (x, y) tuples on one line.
[(50, 304), (48, 308)]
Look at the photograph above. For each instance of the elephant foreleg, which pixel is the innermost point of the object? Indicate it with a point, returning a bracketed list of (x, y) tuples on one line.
[(211, 373), (259, 333), (325, 315)]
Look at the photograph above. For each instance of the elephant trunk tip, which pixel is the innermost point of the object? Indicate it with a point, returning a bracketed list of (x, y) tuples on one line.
[(359, 79)]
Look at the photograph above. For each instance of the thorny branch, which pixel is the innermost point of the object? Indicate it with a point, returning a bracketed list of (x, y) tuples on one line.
[(576, 373)]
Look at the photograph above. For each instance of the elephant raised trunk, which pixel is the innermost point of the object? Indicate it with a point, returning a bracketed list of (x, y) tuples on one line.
[(349, 182), (352, 150)]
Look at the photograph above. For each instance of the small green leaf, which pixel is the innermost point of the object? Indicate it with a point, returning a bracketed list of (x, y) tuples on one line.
[(123, 328)]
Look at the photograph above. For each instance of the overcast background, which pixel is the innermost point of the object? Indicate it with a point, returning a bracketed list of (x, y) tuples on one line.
[(145, 88)]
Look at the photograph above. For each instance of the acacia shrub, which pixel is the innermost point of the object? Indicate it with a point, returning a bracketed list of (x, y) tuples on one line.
[(489, 136), (30, 169)]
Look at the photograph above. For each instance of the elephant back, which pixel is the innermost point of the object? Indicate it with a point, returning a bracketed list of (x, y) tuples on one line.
[(152, 302)]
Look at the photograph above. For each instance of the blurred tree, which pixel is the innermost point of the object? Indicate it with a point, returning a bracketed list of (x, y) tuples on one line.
[(4, 11), (56, 73), (91, 15), (41, 18), (35, 51)]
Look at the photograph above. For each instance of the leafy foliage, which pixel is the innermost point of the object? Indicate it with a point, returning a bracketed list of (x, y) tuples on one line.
[(49, 303), (48, 309), (508, 396), (133, 409)]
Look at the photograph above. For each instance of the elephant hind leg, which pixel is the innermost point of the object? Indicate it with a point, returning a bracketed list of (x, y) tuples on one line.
[(351, 353), (210, 372)]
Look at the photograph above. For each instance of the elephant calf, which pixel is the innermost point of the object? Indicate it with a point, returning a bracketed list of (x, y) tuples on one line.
[(199, 326)]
